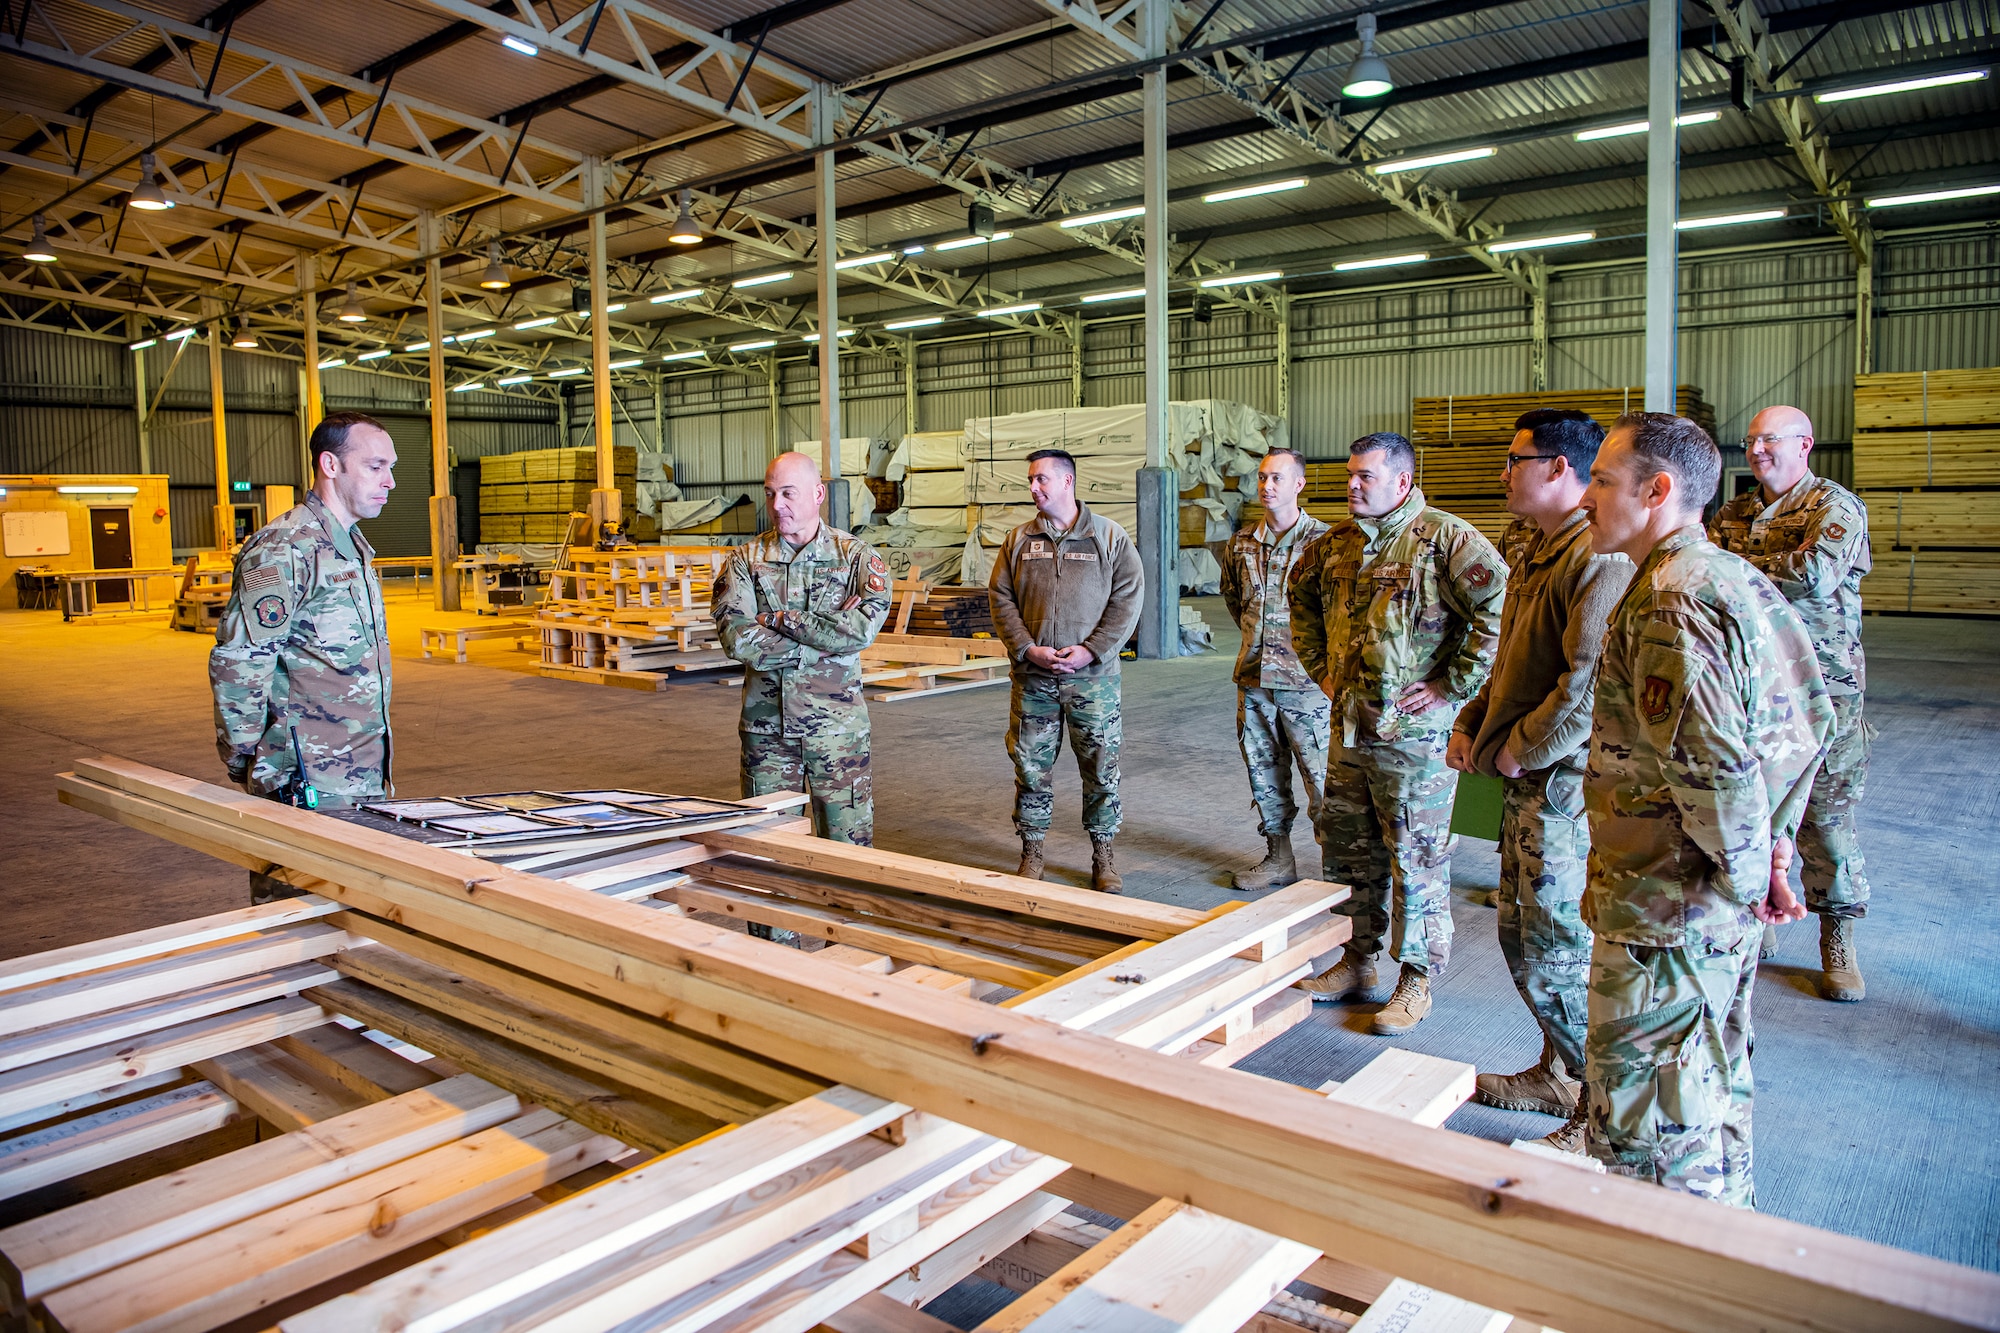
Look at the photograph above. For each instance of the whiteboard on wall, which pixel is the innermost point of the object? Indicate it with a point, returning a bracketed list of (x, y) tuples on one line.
[(35, 532)]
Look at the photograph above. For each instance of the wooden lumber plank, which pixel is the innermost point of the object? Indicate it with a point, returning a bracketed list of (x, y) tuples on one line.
[(634, 1116), (99, 1235), (51, 965), (236, 1269), (280, 1089), (1422, 1089), (38, 1117), (879, 1314), (116, 1063), (353, 1061), (1054, 1242), (1408, 1308), (1381, 1192), (30, 1161)]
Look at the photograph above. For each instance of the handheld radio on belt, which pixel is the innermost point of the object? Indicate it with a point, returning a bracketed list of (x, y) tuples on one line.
[(298, 790)]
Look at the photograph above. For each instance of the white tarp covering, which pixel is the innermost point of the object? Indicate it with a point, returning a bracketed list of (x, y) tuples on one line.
[(926, 451), (1201, 576), (1086, 432), (855, 454), (676, 515), (934, 490), (1099, 481), (996, 521), (940, 519)]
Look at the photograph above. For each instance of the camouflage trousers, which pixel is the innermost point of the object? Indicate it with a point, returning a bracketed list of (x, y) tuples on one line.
[(1041, 708), (1669, 1065), (1830, 862), (1544, 856), (1385, 831), (831, 768), (1277, 729)]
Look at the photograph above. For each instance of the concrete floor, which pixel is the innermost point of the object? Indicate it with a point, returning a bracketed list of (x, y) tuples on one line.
[(1873, 1119)]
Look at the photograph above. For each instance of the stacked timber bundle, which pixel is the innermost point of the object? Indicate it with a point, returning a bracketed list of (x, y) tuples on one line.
[(629, 617), (955, 612), (529, 496), (1489, 418), (1927, 462)]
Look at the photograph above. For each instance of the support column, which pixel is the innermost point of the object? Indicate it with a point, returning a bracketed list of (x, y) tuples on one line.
[(1538, 332), (824, 220), (1159, 487), (1663, 73), (139, 398), (225, 506), (1284, 356), (775, 422), (1864, 312), (659, 413), (444, 508), (1075, 327), (604, 500), (911, 424), (315, 403)]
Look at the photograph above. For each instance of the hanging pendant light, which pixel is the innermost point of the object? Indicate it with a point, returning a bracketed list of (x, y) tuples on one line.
[(38, 250), (241, 336), (495, 278), (350, 309), (1369, 75), (148, 196), (686, 230)]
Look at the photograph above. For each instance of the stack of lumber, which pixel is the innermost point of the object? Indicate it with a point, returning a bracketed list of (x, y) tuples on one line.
[(926, 1132), (1459, 479), (529, 496), (1489, 418), (955, 612), (629, 617), (901, 664), (1927, 463)]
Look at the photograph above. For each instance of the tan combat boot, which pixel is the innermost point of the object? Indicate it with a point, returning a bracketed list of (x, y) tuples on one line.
[(1543, 1087), (1104, 876), (1278, 868), (1407, 1007), (1840, 967), (1031, 858), (1769, 948), (1575, 1131), (1354, 975)]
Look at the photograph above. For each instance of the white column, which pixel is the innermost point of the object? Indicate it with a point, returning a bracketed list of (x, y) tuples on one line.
[(824, 104), (1663, 73), (604, 501), (1159, 491), (225, 506), (444, 509)]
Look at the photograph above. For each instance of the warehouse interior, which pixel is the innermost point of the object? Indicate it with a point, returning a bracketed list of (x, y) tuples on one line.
[(576, 258)]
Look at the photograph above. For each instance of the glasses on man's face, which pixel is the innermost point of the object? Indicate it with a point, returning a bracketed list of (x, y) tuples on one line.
[(1513, 459), (1768, 440)]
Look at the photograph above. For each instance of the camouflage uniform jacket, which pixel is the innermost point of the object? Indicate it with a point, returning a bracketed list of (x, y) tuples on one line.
[(304, 643), (1813, 543), (1380, 604), (797, 620), (1709, 725), (1054, 589), (1256, 571)]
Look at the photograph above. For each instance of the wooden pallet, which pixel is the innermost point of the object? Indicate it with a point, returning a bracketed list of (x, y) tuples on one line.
[(1888, 459), (1946, 583), (439, 638), (1921, 399), (1934, 518)]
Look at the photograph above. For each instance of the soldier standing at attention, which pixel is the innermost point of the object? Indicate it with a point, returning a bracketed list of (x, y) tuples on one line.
[(1065, 590), (1530, 725), (1810, 537), (1709, 725), (302, 647), (796, 606), (1282, 718), (1395, 613)]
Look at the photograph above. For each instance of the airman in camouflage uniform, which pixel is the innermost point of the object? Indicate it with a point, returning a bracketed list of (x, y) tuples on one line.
[(1810, 537), (796, 614), (1709, 724), (1282, 718), (303, 642), (1396, 612)]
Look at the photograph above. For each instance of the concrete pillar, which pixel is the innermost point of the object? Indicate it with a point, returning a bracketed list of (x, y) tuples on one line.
[(225, 504), (1159, 488), (1864, 312), (1538, 329), (775, 420), (1074, 326), (911, 408), (659, 413), (604, 500), (1663, 73), (825, 217), (1284, 355), (140, 405), (444, 508)]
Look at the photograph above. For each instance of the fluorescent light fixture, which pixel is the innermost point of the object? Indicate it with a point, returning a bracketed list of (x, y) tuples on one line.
[(860, 260), (332, 363), (611, 309), (1641, 126), (143, 344), (506, 380), (350, 309), (179, 334), (686, 229), (761, 279), (1102, 215), (964, 241), (513, 43), (97, 490), (1369, 75), (754, 345), (814, 337), (1928, 197), (1250, 191), (1541, 242), (419, 347), (375, 355), (1902, 86), (1122, 294), (1432, 160), (1729, 219), (147, 197), (539, 322), (38, 251), (1238, 279), (627, 363), (473, 336), (1387, 261), (684, 294), (913, 249), (565, 374), (682, 356), (921, 323), (467, 388), (1018, 308), (495, 278)]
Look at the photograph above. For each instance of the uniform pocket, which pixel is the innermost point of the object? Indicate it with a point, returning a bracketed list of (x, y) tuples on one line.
[(1564, 790), (1659, 1073)]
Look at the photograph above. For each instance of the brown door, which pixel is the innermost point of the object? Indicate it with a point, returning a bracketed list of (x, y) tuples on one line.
[(111, 548)]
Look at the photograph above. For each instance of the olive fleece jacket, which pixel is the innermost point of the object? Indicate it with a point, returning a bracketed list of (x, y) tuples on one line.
[(1053, 589)]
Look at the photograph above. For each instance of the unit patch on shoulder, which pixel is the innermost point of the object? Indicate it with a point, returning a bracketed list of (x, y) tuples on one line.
[(1656, 699), (1835, 532), (1479, 576), (271, 611), (876, 583)]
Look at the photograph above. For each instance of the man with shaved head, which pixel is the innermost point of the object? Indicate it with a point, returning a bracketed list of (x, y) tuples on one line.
[(1810, 536), (796, 606)]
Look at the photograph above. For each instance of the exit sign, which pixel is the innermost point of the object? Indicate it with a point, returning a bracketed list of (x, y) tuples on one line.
[(239, 485)]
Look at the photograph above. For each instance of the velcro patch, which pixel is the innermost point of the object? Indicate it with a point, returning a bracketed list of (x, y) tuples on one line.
[(1656, 699), (875, 582), (271, 611), (1037, 553), (1835, 532), (342, 576), (1479, 576), (261, 578), (1091, 556)]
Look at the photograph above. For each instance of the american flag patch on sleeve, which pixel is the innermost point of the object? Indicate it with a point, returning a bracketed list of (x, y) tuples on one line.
[(261, 579)]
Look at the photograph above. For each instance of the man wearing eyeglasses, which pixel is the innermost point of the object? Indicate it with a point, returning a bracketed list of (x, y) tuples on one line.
[(1530, 726), (1810, 536)]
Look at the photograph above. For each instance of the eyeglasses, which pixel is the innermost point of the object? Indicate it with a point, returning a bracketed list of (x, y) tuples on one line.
[(1768, 440), (1512, 459)]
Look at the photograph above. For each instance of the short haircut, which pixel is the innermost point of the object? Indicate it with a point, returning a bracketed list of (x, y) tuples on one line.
[(1562, 430), (1298, 459), (1401, 453), (330, 436), (1681, 449), (1062, 457)]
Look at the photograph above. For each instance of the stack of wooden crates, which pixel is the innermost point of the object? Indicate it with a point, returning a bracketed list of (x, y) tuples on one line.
[(529, 496), (1927, 463)]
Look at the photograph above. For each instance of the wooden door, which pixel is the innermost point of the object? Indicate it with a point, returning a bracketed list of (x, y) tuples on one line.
[(111, 548)]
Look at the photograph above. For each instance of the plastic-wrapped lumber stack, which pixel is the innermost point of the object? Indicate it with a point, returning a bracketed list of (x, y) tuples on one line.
[(1927, 463), (529, 496), (930, 466)]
